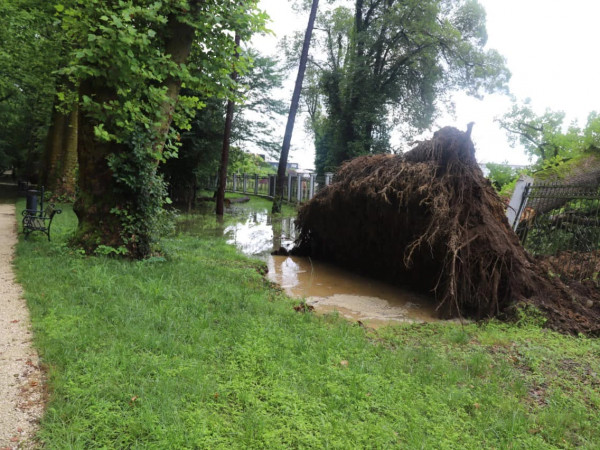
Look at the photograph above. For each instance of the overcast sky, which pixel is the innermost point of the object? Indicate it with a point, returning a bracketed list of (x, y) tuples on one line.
[(551, 48)]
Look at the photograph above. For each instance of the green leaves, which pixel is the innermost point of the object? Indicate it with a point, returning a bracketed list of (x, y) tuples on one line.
[(546, 136), (390, 62), (130, 68)]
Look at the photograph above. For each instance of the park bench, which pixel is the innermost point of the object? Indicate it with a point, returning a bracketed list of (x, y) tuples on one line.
[(39, 220)]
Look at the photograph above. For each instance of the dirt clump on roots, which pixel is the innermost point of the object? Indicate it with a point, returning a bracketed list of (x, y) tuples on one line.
[(429, 219)]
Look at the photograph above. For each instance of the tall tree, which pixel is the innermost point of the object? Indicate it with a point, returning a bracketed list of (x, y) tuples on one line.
[(130, 63), (60, 152), (388, 62), (289, 128), (226, 141)]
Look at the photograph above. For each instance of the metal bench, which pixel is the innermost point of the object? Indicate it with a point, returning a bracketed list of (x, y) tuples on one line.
[(39, 220)]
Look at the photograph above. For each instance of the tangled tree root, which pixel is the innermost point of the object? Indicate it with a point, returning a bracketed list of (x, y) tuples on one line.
[(430, 219)]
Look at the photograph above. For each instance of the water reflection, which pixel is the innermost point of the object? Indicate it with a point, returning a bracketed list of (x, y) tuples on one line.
[(260, 234), (325, 286)]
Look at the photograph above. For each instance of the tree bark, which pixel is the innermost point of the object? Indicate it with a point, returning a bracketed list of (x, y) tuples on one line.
[(53, 150), (98, 198), (179, 46), (68, 179), (287, 138), (60, 159)]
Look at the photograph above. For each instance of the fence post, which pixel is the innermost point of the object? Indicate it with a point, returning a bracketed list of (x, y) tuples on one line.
[(311, 186), (299, 188), (328, 177), (245, 182), (289, 192), (255, 184), (518, 201), (234, 182), (272, 182)]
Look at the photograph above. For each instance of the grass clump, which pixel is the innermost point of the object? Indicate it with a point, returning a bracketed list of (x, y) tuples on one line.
[(196, 350)]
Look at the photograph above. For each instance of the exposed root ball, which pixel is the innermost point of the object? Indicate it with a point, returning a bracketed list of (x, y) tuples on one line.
[(429, 219)]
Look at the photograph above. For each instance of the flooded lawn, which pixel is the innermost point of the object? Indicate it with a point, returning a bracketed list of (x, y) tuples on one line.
[(326, 287)]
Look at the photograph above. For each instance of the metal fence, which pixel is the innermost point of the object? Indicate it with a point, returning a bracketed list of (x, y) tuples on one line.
[(297, 188), (561, 224)]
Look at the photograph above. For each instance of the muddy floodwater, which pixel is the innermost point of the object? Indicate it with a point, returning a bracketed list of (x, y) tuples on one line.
[(326, 287), (329, 288)]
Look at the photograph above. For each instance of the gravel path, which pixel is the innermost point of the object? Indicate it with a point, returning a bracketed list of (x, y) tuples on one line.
[(21, 380)]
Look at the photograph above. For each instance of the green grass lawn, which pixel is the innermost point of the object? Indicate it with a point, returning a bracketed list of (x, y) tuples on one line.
[(197, 350)]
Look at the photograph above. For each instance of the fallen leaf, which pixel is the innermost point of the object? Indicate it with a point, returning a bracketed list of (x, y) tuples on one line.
[(476, 405), (14, 321), (216, 395), (344, 363)]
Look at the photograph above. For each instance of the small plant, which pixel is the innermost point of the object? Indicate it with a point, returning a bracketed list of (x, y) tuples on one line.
[(106, 250), (303, 307), (529, 315)]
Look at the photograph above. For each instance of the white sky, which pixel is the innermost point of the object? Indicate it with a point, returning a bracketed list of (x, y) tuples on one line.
[(551, 48)]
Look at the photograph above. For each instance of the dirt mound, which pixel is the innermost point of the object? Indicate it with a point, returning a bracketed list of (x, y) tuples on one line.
[(430, 219)]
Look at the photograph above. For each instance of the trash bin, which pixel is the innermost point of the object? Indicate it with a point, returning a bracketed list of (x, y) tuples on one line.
[(32, 200)]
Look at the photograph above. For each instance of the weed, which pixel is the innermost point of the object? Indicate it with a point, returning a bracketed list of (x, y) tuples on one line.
[(529, 315)]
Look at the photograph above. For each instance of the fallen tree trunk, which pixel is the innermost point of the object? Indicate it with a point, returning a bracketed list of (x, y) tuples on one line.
[(585, 172), (430, 219)]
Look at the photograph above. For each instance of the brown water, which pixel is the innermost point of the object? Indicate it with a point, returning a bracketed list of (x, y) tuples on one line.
[(329, 288), (326, 287)]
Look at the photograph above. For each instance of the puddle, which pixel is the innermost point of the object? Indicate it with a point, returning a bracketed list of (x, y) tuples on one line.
[(330, 288), (259, 234), (326, 287)]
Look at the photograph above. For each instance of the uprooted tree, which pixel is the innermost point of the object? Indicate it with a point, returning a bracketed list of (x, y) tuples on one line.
[(430, 219), (129, 61)]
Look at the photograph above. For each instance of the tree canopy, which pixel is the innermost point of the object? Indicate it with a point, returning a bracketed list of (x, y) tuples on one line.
[(546, 137), (384, 63), (28, 59)]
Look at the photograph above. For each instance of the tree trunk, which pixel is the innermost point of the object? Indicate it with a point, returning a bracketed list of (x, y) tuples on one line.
[(285, 148), (226, 140), (68, 179), (179, 46), (104, 207), (53, 150), (60, 159), (98, 198)]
